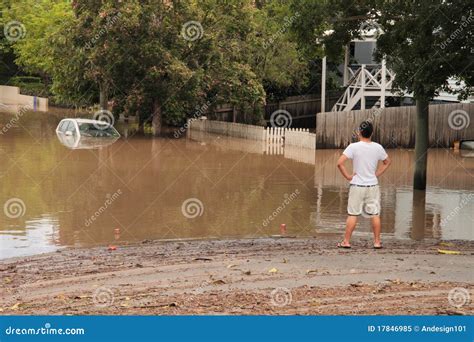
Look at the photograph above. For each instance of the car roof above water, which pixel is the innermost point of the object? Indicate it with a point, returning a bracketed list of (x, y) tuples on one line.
[(86, 121)]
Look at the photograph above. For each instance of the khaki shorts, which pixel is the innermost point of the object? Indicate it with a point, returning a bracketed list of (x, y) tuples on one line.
[(364, 200)]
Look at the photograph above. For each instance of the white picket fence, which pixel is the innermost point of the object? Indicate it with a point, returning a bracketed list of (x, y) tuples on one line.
[(300, 138), (274, 137)]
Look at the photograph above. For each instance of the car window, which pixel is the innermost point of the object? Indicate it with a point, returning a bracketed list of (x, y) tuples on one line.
[(71, 127), (97, 130), (63, 125)]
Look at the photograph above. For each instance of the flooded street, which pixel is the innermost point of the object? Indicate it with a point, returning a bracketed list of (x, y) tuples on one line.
[(203, 187)]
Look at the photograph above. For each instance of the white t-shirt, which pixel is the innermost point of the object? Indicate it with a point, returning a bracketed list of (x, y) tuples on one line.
[(365, 158)]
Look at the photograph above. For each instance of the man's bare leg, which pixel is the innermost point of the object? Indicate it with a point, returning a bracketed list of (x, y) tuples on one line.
[(351, 223), (376, 227)]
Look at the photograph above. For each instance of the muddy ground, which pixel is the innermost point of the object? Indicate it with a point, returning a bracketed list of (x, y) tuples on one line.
[(250, 276)]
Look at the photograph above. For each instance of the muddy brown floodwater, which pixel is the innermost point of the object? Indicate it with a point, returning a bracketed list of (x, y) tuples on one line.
[(56, 194)]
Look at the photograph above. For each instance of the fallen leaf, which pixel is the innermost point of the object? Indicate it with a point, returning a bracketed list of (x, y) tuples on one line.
[(218, 282), (311, 271), (16, 306), (445, 251), (231, 265), (446, 244), (273, 270)]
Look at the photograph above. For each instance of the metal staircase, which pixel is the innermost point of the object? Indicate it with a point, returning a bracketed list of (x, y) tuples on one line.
[(366, 81)]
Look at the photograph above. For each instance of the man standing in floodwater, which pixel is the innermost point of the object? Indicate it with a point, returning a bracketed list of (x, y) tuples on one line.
[(364, 192)]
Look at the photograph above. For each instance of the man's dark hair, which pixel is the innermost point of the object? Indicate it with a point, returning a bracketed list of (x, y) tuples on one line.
[(366, 129)]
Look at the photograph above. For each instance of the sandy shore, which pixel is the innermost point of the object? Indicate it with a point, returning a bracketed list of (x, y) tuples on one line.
[(250, 276)]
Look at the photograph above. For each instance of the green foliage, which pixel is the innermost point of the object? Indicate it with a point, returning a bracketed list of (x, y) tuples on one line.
[(134, 52), (428, 46), (424, 42)]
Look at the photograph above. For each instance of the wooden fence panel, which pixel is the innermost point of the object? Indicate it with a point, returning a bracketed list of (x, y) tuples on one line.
[(277, 136), (236, 130), (395, 126)]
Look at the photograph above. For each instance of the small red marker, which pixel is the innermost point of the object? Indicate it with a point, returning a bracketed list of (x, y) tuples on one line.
[(282, 229), (112, 248)]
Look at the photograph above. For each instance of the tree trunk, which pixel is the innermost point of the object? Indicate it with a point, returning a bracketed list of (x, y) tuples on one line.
[(156, 122), (103, 96), (421, 143), (418, 215)]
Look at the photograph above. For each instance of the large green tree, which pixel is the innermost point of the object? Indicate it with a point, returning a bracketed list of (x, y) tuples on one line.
[(159, 59)]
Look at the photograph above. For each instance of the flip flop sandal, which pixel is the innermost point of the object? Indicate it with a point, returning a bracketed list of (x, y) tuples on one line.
[(378, 247), (340, 245)]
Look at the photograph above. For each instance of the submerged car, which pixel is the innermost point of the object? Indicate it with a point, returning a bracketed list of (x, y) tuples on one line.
[(87, 128), (86, 133)]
